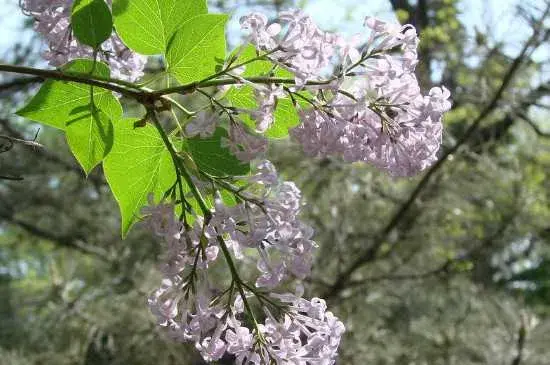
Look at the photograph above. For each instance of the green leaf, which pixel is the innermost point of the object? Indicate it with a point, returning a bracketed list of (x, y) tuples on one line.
[(228, 198), (285, 117), (69, 106), (255, 68), (146, 26), (90, 138), (58, 102), (213, 159), (138, 164), (196, 48), (92, 22)]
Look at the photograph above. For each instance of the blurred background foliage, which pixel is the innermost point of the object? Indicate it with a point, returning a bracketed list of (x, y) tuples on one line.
[(451, 267)]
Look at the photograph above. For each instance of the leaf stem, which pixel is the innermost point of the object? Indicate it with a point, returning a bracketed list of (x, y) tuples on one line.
[(180, 168), (240, 285), (231, 68)]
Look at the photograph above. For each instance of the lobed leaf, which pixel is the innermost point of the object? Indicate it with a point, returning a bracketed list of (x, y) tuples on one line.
[(58, 102), (90, 138), (70, 107)]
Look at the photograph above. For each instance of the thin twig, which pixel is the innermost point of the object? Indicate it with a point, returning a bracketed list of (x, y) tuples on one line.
[(520, 345), (534, 126), (13, 140), (11, 178)]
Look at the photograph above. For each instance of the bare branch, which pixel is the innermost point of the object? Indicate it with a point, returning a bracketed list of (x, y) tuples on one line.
[(520, 345), (12, 140), (11, 178), (50, 156), (443, 269), (108, 84), (534, 126), (6, 144)]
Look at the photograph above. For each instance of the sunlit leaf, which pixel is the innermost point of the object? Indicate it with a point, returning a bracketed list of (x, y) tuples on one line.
[(146, 26), (196, 48), (138, 164)]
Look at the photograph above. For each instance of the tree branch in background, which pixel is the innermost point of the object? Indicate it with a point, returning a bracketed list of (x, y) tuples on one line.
[(401, 5), (534, 126), (19, 83), (64, 241), (7, 143), (498, 130), (50, 156), (442, 269), (371, 253), (11, 178), (520, 345), (448, 267)]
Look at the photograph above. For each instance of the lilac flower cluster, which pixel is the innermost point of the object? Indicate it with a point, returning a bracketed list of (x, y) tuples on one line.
[(268, 223), (267, 97), (53, 22), (371, 109), (397, 130), (293, 41), (264, 227)]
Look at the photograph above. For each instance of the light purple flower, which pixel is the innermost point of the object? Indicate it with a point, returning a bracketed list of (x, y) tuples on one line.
[(308, 334), (244, 145), (203, 124), (52, 21), (380, 116), (294, 42)]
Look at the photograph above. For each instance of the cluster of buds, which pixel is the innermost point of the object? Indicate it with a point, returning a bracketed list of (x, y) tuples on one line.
[(370, 108), (265, 227), (53, 22)]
